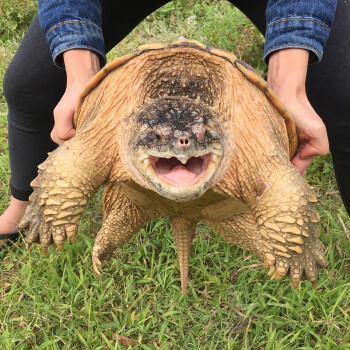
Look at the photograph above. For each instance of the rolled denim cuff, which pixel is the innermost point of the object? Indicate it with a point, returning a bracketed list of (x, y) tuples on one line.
[(302, 33), (75, 35)]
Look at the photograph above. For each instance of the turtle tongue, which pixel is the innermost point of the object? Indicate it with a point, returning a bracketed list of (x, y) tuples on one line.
[(172, 171)]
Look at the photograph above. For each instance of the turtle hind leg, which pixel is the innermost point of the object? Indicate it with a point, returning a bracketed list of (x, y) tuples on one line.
[(183, 231), (241, 230), (122, 219)]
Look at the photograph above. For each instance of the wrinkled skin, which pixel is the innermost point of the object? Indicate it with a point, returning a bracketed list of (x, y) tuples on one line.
[(179, 131)]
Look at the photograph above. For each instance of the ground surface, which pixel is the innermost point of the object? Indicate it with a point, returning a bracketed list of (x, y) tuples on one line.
[(57, 302)]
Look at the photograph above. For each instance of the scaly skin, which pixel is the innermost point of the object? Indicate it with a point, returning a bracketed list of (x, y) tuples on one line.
[(160, 115), (61, 191), (285, 220), (288, 223), (122, 220), (183, 231), (241, 230)]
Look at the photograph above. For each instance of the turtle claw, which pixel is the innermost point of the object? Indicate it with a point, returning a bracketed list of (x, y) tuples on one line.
[(73, 239), (97, 265), (295, 285), (276, 276), (320, 258), (299, 266), (60, 247), (271, 271), (24, 224)]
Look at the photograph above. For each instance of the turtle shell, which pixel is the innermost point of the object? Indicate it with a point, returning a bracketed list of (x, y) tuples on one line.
[(249, 72)]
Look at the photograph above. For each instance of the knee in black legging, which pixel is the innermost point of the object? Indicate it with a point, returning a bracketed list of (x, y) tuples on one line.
[(11, 85), (30, 94)]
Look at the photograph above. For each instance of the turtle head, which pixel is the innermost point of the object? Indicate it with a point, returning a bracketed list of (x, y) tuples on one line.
[(176, 147)]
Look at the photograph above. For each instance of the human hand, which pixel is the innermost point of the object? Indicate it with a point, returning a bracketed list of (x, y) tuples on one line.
[(311, 131), (287, 75), (81, 66)]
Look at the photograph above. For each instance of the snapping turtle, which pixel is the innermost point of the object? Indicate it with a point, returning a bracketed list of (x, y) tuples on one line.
[(191, 133)]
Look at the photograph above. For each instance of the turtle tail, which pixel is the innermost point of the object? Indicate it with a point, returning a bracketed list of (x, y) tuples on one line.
[(183, 231)]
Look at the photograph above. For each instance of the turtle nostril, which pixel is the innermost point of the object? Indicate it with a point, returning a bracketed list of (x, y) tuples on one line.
[(184, 141)]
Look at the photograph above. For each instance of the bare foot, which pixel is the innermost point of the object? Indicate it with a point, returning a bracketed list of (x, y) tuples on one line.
[(11, 217)]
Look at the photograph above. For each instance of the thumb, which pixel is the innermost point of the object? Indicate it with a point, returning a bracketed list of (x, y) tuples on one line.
[(301, 164), (60, 141), (304, 157), (63, 129)]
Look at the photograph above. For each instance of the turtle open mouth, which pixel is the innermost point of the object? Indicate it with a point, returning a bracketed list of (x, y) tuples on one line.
[(176, 173), (180, 172)]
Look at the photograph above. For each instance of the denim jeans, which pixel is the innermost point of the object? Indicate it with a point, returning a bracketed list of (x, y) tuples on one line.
[(34, 85)]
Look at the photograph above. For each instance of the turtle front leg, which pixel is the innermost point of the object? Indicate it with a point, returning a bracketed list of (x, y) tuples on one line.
[(61, 192), (285, 211), (122, 219)]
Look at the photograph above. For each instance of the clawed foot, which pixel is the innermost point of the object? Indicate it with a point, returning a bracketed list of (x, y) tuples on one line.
[(40, 228), (302, 265)]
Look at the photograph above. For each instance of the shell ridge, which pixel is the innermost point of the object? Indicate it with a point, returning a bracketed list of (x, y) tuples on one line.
[(258, 81), (250, 73)]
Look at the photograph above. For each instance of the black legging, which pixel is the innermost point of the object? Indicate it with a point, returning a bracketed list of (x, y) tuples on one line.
[(33, 86)]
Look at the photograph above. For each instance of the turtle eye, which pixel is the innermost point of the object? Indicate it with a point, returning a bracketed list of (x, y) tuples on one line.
[(161, 134), (200, 132), (160, 139)]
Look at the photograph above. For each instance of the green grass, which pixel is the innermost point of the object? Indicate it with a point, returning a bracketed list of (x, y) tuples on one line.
[(58, 302)]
